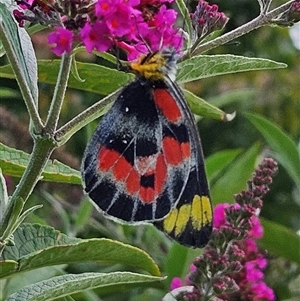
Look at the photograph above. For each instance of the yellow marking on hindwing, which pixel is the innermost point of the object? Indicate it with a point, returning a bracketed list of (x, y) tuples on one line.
[(206, 207), (182, 218), (170, 221), (199, 212)]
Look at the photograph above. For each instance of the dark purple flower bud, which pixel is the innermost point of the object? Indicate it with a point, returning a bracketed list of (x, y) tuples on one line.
[(20, 17), (290, 16), (206, 19)]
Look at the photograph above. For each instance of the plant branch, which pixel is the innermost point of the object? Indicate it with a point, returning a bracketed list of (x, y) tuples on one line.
[(23, 85), (261, 20), (59, 94)]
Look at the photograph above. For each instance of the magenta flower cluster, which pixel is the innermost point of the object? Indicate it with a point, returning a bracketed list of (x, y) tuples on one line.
[(250, 279), (136, 26), (232, 266)]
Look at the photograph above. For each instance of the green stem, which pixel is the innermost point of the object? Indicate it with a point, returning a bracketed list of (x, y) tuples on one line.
[(59, 94), (19, 74), (44, 144), (42, 149)]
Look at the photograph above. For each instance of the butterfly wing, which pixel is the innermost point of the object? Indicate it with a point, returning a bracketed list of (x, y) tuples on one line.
[(190, 222), (138, 162)]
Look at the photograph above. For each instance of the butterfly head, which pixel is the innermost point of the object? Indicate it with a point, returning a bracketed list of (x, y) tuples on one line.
[(157, 65)]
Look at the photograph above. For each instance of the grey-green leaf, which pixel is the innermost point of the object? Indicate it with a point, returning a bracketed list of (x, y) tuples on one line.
[(39, 246), (13, 162), (66, 285), (284, 148), (22, 55), (203, 66)]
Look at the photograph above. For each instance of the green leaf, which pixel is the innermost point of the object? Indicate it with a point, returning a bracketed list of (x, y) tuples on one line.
[(13, 162), (235, 177), (19, 281), (18, 45), (8, 267), (178, 254), (39, 246), (95, 78), (183, 257), (8, 93), (216, 163), (234, 96), (203, 66), (11, 219), (66, 285), (285, 149), (280, 241), (200, 107), (3, 195), (30, 238), (185, 15)]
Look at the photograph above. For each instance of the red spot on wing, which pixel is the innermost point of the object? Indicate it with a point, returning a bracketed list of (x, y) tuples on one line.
[(146, 194), (121, 168), (167, 104), (107, 158), (160, 174), (133, 182), (186, 149), (172, 151)]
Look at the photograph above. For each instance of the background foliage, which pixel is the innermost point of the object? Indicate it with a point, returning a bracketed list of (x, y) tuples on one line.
[(267, 104)]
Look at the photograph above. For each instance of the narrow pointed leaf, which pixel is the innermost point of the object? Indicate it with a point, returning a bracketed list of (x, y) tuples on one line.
[(3, 195), (39, 246), (203, 66), (13, 162), (234, 96), (66, 285), (201, 107), (285, 149), (280, 241), (216, 163), (93, 78), (8, 267), (235, 177), (17, 42)]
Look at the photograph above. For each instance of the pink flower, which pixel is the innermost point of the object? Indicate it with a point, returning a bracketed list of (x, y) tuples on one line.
[(219, 218), (252, 273), (250, 245), (257, 230), (96, 36), (63, 38), (104, 8), (262, 292), (118, 22), (219, 215), (162, 32), (175, 283)]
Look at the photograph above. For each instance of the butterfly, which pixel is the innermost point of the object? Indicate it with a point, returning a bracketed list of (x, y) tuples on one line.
[(144, 163)]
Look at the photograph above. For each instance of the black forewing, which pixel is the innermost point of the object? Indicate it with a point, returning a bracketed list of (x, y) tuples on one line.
[(196, 184)]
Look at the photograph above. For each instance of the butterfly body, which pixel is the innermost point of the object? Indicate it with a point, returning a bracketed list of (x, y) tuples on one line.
[(144, 162)]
